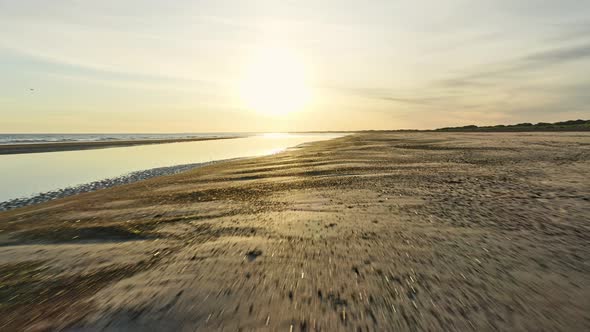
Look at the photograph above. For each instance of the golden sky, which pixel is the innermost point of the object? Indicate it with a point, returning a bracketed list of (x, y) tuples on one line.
[(224, 66)]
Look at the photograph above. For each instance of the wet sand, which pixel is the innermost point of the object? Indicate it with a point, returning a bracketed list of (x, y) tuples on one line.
[(374, 231), (71, 146)]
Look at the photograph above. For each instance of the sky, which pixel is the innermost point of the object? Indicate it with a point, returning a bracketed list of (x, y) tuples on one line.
[(76, 66)]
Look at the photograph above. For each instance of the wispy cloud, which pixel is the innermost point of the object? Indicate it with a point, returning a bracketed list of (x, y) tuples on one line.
[(510, 69), (556, 56), (459, 60), (417, 100), (64, 68)]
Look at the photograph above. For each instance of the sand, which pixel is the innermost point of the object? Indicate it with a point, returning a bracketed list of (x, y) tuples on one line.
[(71, 146), (374, 231)]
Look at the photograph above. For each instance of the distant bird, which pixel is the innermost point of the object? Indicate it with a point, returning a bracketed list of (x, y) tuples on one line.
[(31, 89)]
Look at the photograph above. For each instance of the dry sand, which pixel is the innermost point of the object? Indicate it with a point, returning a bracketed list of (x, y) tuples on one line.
[(400, 231)]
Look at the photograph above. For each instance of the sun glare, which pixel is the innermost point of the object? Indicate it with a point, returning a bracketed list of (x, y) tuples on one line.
[(275, 83)]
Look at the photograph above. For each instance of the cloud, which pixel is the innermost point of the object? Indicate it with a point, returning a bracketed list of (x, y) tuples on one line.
[(391, 96), (556, 56), (571, 31), (415, 100), (511, 89), (70, 70), (513, 68)]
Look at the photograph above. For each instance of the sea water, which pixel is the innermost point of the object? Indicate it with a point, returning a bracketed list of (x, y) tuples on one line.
[(23, 175)]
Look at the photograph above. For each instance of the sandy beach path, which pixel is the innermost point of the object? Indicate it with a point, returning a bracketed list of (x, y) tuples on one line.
[(375, 231)]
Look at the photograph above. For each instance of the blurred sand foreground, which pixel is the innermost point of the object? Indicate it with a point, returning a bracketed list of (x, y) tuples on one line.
[(375, 231)]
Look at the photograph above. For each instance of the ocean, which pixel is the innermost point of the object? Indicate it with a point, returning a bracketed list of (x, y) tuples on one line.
[(27, 175), (57, 138)]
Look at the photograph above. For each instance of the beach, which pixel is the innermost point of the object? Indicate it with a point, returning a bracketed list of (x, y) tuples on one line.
[(371, 231)]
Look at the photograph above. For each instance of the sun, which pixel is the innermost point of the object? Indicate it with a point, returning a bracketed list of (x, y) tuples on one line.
[(275, 83)]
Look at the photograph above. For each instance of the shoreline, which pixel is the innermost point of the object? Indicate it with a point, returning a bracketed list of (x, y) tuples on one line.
[(7, 149), (132, 177), (123, 179)]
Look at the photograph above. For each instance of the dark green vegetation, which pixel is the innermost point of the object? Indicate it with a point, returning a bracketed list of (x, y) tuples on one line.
[(570, 125)]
